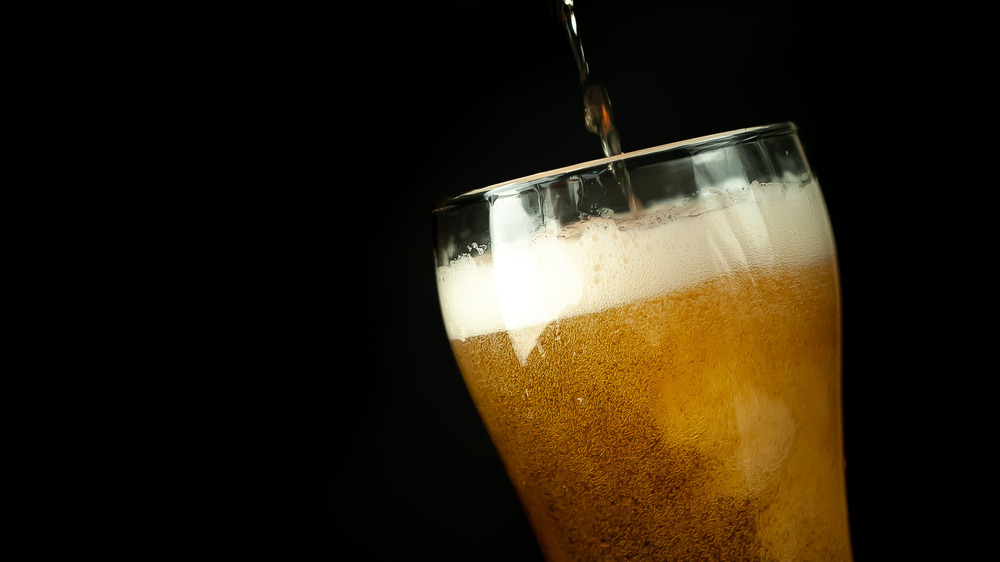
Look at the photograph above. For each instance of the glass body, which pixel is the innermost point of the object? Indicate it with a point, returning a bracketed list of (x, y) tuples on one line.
[(662, 381)]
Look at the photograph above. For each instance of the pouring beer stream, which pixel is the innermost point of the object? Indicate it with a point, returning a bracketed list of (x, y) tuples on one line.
[(597, 105)]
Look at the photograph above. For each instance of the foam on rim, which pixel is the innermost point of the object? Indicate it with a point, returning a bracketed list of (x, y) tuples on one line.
[(522, 287)]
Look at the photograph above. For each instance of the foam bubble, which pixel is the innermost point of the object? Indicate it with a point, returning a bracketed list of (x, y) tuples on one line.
[(601, 263)]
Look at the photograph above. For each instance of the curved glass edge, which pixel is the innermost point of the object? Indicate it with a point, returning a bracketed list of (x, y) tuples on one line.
[(682, 148)]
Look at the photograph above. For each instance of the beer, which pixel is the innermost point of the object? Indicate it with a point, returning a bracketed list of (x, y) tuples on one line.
[(596, 104), (666, 388)]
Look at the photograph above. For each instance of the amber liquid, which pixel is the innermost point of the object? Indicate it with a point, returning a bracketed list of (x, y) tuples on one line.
[(700, 425)]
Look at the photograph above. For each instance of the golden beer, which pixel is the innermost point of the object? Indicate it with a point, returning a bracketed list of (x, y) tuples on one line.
[(666, 388)]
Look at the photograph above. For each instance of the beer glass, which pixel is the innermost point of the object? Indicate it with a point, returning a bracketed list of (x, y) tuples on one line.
[(661, 379)]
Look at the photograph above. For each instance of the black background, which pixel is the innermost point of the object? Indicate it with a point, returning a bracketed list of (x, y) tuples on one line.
[(380, 111)]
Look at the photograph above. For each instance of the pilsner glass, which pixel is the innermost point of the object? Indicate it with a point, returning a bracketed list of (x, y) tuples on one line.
[(663, 384)]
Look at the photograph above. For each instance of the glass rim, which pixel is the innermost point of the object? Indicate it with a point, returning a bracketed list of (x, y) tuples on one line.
[(690, 146)]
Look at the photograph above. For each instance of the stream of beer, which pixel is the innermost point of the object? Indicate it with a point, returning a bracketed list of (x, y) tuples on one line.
[(598, 117)]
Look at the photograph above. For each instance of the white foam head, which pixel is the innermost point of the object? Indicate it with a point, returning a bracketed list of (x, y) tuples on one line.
[(601, 263)]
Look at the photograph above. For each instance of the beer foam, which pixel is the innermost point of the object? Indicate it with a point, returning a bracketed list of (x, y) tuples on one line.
[(523, 285)]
